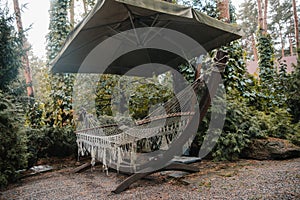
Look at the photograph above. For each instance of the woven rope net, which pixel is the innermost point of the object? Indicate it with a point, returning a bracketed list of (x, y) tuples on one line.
[(124, 145)]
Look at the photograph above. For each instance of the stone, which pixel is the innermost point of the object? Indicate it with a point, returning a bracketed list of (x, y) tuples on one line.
[(271, 149)]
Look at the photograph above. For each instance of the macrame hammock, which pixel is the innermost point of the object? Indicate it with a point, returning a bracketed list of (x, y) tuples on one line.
[(121, 145)]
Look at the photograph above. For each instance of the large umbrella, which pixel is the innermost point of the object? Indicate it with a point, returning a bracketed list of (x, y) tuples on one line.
[(118, 35)]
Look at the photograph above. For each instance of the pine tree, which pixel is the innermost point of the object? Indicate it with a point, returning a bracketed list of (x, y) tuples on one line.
[(27, 71), (280, 15), (248, 16), (296, 24), (10, 51)]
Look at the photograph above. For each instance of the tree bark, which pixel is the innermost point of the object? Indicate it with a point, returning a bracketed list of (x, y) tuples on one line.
[(291, 45), (282, 43), (265, 24), (223, 8), (25, 60), (260, 16), (296, 26), (254, 48)]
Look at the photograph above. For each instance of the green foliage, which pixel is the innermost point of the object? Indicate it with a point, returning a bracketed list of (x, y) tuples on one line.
[(266, 60), (234, 76), (35, 115), (277, 123), (50, 119), (293, 93), (59, 110), (40, 74), (104, 92), (241, 125), (50, 141), (133, 94), (13, 150), (281, 84), (144, 96), (188, 72), (295, 138), (45, 140), (10, 51), (59, 27), (266, 96)]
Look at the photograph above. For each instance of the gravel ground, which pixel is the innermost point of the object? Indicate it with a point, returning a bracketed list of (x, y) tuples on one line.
[(245, 179)]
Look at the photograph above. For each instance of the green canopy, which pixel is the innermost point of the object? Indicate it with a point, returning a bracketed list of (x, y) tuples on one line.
[(110, 18)]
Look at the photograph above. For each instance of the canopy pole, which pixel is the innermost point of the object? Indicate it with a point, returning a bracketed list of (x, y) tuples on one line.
[(132, 24)]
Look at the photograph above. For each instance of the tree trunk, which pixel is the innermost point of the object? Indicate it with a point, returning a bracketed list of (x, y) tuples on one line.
[(72, 13), (265, 27), (291, 44), (25, 60), (223, 8), (282, 43), (296, 26), (254, 48), (260, 16)]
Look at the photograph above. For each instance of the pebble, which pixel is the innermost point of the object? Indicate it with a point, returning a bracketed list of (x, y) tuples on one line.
[(265, 180)]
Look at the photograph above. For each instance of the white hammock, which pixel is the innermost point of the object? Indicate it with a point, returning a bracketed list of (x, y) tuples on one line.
[(111, 144)]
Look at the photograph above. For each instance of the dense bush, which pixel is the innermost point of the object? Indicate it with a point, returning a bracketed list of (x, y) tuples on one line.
[(45, 140), (13, 149), (293, 93), (49, 141)]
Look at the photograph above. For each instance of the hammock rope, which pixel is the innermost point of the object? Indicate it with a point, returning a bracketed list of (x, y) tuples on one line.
[(111, 143)]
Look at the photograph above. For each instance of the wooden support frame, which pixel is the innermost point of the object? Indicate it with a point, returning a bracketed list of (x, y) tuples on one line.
[(137, 176), (176, 166)]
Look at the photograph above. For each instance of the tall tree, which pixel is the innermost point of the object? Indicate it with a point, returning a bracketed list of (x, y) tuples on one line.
[(260, 15), (248, 17), (265, 24), (10, 51), (296, 26), (27, 70)]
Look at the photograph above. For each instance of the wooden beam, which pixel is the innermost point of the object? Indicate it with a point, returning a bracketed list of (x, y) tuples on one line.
[(135, 177)]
